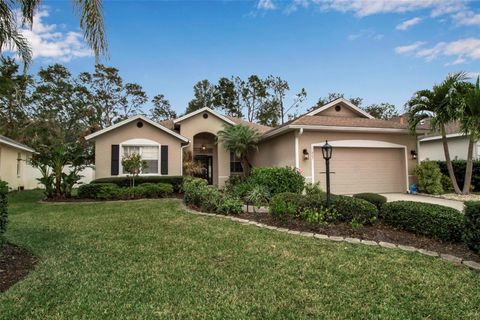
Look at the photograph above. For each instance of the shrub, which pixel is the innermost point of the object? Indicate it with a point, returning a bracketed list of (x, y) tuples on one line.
[(356, 211), (313, 188), (286, 204), (447, 184), (429, 177), (242, 189), (374, 198), (230, 205), (459, 171), (108, 191), (155, 190), (232, 182), (472, 225), (175, 181), (198, 193), (3, 211), (278, 180), (321, 215), (91, 191), (427, 219), (257, 196)]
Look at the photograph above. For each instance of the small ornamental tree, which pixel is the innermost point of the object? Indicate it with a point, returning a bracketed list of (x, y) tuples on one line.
[(134, 165)]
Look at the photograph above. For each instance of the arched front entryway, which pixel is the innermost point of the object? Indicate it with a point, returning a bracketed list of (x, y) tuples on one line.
[(205, 152)]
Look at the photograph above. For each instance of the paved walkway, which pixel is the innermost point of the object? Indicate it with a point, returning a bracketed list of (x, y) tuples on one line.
[(413, 197)]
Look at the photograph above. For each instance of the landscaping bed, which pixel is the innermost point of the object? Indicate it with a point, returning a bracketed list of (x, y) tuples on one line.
[(15, 264), (377, 232)]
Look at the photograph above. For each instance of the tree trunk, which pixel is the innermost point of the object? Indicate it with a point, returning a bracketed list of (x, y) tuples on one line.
[(247, 167), (469, 169), (449, 161)]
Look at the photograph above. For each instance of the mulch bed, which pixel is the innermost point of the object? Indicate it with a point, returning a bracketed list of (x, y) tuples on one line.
[(15, 264), (377, 232)]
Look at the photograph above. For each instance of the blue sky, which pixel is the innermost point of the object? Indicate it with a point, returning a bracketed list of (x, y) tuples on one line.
[(382, 51)]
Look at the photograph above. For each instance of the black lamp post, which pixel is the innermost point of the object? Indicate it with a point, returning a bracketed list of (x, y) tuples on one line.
[(327, 154)]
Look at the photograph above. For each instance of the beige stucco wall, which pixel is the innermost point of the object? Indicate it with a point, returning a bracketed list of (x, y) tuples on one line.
[(103, 143), (221, 158), (458, 147), (345, 112), (311, 137), (278, 151), (8, 167)]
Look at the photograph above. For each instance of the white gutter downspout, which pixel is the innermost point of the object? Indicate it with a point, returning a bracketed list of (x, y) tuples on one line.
[(181, 157), (297, 160)]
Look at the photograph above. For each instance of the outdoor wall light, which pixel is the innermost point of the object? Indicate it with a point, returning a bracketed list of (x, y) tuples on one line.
[(413, 153), (204, 147), (305, 154), (326, 151)]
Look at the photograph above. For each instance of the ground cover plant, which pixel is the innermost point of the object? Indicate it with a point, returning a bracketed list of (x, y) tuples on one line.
[(151, 259), (111, 191)]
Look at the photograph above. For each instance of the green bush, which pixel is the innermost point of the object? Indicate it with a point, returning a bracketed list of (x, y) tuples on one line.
[(472, 225), (320, 215), (427, 219), (374, 198), (313, 188), (278, 180), (3, 210), (91, 191), (355, 211), (242, 189), (429, 177), (447, 184), (230, 205), (198, 193), (459, 172), (285, 205), (108, 191), (155, 190), (175, 181)]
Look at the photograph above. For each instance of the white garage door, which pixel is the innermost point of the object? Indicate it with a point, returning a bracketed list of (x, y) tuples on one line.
[(378, 170)]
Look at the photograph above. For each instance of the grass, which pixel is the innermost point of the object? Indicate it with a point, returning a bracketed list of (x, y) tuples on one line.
[(150, 259)]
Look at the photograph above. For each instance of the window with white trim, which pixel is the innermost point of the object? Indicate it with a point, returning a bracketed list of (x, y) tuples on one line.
[(150, 154)]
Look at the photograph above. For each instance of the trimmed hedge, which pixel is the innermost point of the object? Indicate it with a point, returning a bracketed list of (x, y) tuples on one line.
[(3, 210), (348, 209), (472, 225), (374, 198), (459, 171), (428, 219), (175, 181), (111, 191)]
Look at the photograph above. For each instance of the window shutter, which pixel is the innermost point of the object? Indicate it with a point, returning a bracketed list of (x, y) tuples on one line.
[(164, 160), (115, 159)]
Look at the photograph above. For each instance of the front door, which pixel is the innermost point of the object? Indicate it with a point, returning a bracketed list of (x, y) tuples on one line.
[(207, 164)]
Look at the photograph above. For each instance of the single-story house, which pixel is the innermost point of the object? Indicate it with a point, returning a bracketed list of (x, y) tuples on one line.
[(369, 154), (14, 158), (431, 146)]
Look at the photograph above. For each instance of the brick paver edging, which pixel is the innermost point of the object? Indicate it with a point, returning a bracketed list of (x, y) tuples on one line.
[(471, 264)]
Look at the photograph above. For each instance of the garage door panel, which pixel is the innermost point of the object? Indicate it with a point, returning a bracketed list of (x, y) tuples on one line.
[(363, 170)]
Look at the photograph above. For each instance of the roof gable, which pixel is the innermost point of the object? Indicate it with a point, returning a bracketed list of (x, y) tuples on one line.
[(15, 144), (129, 120), (204, 109), (345, 103)]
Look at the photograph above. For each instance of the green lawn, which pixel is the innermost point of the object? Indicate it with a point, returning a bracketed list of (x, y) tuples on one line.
[(150, 259)]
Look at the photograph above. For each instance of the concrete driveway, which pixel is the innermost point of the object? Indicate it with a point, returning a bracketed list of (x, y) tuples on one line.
[(413, 197)]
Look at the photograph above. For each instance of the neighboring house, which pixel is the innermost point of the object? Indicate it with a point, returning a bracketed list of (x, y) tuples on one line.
[(431, 146), (369, 154), (13, 163)]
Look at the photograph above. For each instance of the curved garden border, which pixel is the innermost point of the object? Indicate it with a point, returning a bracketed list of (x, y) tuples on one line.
[(447, 257)]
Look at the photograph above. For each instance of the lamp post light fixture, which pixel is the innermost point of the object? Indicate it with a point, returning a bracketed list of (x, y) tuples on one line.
[(327, 155)]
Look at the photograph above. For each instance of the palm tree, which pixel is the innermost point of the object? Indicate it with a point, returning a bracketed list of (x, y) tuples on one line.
[(91, 22), (442, 105), (470, 124), (240, 140)]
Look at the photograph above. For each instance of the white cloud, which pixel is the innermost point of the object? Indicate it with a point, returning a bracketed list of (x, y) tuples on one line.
[(463, 50), (266, 5), (409, 48), (408, 23), (364, 8), (467, 18), (292, 7), (48, 42)]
